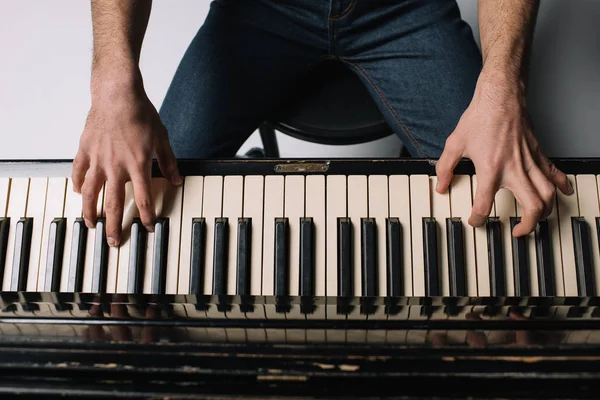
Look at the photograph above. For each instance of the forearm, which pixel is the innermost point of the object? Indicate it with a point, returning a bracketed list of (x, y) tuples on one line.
[(506, 31), (119, 27)]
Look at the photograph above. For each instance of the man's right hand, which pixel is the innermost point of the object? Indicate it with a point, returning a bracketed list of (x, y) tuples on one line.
[(122, 133)]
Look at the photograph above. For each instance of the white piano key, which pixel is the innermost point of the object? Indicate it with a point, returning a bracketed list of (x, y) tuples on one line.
[(233, 200), (506, 208), (379, 209), (4, 185), (192, 208), (274, 195), (554, 225), (315, 209), (253, 208), (420, 207), (36, 202), (589, 208), (294, 210), (531, 258), (55, 204), (72, 211), (399, 203), (130, 211), (336, 207), (172, 205), (357, 209), (481, 249), (461, 204), (90, 247), (157, 188), (440, 210), (568, 207), (212, 208), (17, 206)]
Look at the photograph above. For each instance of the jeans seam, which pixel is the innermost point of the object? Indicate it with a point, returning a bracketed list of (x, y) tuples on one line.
[(346, 11), (400, 122)]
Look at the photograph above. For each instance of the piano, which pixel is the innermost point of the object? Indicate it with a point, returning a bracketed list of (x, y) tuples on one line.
[(298, 278)]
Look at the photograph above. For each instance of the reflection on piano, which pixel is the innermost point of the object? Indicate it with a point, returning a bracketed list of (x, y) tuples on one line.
[(298, 278)]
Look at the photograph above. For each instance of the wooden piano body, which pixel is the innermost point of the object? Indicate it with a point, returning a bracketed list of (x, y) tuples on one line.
[(343, 316)]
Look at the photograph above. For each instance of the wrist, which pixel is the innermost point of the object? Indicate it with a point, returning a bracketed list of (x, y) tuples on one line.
[(114, 81), (501, 85)]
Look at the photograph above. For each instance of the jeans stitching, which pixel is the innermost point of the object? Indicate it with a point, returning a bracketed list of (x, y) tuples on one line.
[(403, 126), (347, 11)]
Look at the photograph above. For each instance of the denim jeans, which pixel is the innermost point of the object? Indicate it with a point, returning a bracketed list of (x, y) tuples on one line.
[(417, 58)]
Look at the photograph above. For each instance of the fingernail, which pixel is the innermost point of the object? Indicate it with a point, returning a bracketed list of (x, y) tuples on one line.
[(571, 190), (177, 180), (88, 223), (437, 186), (112, 242), (150, 228)]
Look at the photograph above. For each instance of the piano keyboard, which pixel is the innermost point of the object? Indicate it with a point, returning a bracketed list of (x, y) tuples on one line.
[(286, 230)]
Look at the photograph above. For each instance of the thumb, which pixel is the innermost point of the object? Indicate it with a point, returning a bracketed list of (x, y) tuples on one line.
[(167, 161), (444, 168)]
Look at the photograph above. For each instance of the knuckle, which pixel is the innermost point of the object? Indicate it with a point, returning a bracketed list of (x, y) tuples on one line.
[(144, 204), (112, 206), (88, 194)]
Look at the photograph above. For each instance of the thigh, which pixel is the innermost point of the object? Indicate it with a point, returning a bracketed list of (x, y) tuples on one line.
[(244, 60), (420, 62)]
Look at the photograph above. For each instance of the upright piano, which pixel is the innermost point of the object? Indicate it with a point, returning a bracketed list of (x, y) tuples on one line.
[(298, 278)]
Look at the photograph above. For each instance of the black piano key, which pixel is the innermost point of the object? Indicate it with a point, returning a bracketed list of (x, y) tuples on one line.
[(4, 229), (197, 256), (394, 257), (54, 260), (545, 263), (100, 262), (243, 256), (520, 262), (161, 248), (432, 280), (281, 257), (368, 257), (307, 266), (137, 257), (20, 267), (344, 235), (495, 257), (583, 257), (220, 256), (77, 260), (456, 257)]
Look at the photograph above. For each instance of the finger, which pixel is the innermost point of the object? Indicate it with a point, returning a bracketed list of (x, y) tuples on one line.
[(444, 168), (89, 193), (545, 189), (113, 208), (80, 166), (484, 200), (167, 161), (143, 199), (531, 204), (556, 176)]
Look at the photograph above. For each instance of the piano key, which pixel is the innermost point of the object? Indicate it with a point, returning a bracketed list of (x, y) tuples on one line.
[(529, 257), (127, 255), (420, 208), (54, 209), (220, 256), (440, 210), (20, 265), (74, 270), (379, 211), (369, 257), (36, 202), (198, 248), (273, 208), (430, 258), (16, 209), (281, 237), (344, 258), (336, 208), (99, 264), (567, 208), (545, 267), (4, 186), (233, 200), (357, 208), (244, 257), (162, 231), (307, 256), (460, 207), (481, 250), (211, 211), (4, 230), (91, 245), (294, 210), (495, 257), (189, 283), (399, 204), (137, 258), (73, 253), (315, 209), (169, 202), (253, 209), (394, 258), (583, 257), (554, 227), (505, 208), (55, 250), (456, 257), (520, 262), (589, 209)]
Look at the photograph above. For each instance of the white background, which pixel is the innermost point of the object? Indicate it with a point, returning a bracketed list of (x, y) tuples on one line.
[(45, 53)]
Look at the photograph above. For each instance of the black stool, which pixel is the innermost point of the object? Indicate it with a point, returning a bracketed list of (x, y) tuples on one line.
[(331, 107)]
